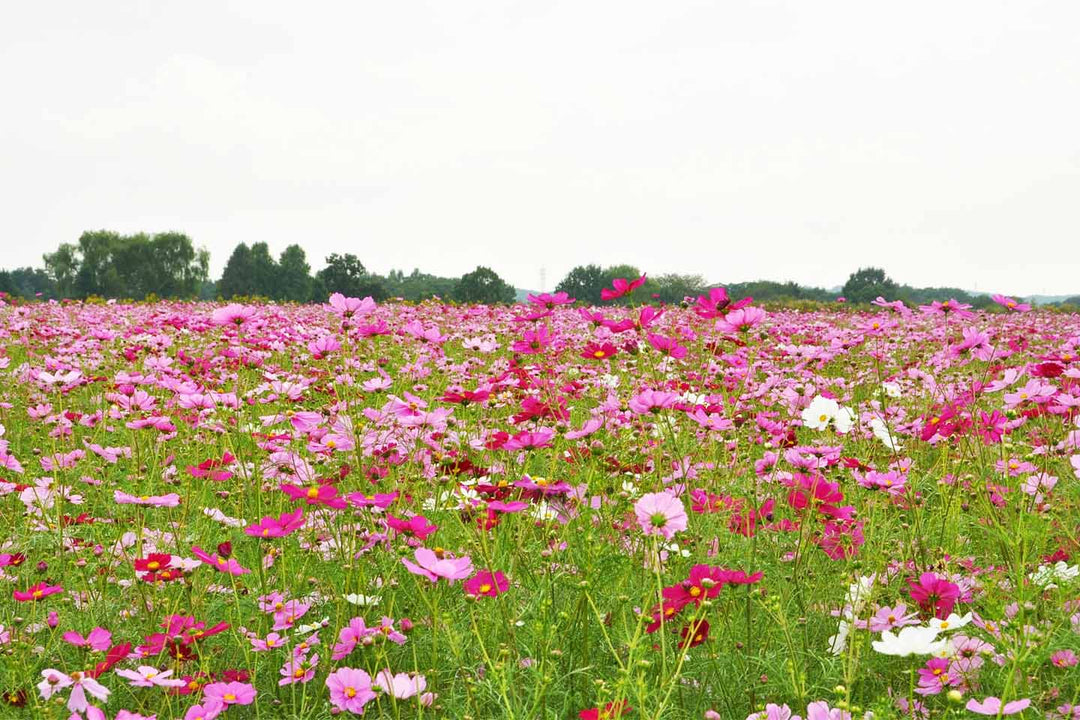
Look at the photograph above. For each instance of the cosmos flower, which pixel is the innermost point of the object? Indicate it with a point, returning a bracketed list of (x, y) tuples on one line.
[(660, 514)]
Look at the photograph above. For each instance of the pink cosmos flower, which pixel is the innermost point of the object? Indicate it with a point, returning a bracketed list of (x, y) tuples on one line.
[(530, 440), (741, 320), (230, 693), (621, 287), (229, 566), (533, 342), (123, 498), (993, 706), (80, 684), (298, 670), (486, 584), (149, 676), (270, 527), (350, 636), (1010, 304), (660, 514), (233, 314), (350, 689), (99, 639), (667, 346), (431, 566), (208, 710), (417, 525), (349, 307), (402, 685), (652, 401)]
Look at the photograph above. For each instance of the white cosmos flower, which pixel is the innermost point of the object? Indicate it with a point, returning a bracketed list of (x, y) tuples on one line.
[(952, 622), (891, 389), (911, 640), (822, 410), (1045, 575), (363, 600), (881, 432)]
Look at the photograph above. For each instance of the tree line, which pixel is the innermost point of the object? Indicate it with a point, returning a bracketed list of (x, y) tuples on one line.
[(167, 265)]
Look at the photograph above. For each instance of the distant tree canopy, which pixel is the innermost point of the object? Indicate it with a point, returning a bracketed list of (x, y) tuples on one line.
[(865, 284), (109, 264), (482, 285), (346, 274)]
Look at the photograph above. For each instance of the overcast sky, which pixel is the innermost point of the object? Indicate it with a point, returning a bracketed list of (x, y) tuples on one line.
[(738, 139)]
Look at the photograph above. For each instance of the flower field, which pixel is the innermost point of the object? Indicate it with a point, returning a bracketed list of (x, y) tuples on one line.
[(538, 511)]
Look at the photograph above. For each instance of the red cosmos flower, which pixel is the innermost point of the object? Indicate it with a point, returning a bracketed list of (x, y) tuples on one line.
[(934, 593), (466, 397), (597, 351), (608, 712), (113, 656), (620, 287), (153, 562), (36, 592), (486, 584), (694, 634)]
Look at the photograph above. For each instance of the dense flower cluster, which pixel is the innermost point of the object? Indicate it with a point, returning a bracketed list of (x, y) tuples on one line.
[(544, 510)]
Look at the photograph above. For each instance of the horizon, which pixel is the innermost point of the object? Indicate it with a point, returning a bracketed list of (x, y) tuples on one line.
[(778, 141)]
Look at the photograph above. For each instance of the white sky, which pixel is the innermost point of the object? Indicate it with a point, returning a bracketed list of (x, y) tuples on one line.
[(738, 139)]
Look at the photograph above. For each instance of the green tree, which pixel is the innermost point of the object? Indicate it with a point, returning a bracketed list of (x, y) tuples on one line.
[(238, 278), (62, 266), (584, 282), (294, 276), (673, 288), (865, 284), (347, 275), (483, 285), (264, 270)]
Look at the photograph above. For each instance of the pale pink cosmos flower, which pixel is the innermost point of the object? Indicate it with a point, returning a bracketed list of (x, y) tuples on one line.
[(402, 685), (350, 689), (149, 676), (80, 684), (994, 706), (429, 565), (660, 514)]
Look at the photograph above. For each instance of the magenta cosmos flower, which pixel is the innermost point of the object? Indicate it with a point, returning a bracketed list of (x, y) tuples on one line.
[(36, 592), (486, 584), (350, 689), (271, 527), (229, 566), (430, 565), (660, 514)]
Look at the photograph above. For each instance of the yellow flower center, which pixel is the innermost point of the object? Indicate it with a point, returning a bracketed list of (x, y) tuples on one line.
[(485, 588), (229, 697), (313, 493), (153, 565), (350, 692)]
